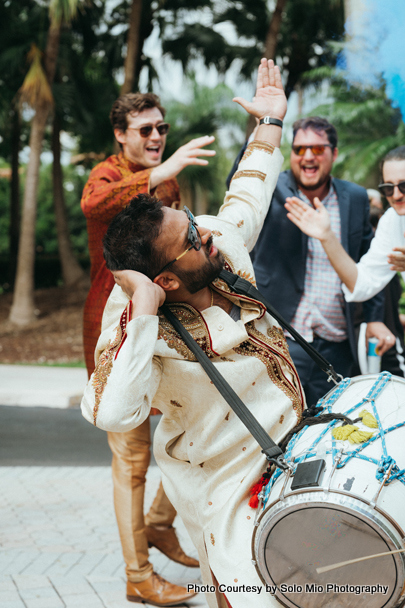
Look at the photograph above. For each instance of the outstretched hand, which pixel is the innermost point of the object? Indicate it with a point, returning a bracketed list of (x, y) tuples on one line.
[(183, 157), (269, 99), (313, 221)]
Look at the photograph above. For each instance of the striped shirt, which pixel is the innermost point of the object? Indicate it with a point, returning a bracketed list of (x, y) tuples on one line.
[(321, 308)]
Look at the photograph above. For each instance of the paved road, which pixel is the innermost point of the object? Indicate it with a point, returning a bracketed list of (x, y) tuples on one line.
[(42, 436), (59, 543)]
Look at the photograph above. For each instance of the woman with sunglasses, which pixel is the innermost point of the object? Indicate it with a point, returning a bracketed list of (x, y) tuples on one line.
[(387, 251)]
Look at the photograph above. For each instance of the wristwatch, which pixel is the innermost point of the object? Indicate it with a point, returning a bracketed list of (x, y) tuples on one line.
[(267, 120)]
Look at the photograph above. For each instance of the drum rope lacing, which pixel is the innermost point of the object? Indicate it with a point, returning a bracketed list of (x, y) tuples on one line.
[(385, 461)]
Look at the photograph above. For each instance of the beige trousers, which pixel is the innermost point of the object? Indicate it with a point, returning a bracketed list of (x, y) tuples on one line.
[(131, 457)]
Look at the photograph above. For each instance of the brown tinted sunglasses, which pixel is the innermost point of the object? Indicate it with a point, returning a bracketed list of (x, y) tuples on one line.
[(146, 130), (317, 150)]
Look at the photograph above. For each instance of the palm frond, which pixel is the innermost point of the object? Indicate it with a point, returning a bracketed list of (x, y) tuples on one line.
[(62, 11), (35, 89)]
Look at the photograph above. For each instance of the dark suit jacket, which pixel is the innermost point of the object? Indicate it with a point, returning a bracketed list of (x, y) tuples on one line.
[(280, 254)]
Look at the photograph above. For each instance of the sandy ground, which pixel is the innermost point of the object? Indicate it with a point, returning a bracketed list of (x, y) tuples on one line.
[(56, 336)]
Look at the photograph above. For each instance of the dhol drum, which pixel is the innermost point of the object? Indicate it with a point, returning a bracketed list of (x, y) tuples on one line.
[(354, 507)]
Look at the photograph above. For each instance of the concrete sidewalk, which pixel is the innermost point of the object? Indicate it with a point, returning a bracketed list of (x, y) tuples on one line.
[(59, 540), (46, 386)]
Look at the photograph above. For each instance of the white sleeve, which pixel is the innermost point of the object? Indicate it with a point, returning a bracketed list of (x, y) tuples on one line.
[(373, 269), (119, 394), (248, 200)]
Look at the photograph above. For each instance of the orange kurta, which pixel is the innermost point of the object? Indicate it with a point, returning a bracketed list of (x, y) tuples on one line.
[(112, 184)]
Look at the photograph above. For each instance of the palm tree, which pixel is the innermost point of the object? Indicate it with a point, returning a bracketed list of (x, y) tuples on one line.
[(133, 47), (17, 21), (36, 90), (72, 272)]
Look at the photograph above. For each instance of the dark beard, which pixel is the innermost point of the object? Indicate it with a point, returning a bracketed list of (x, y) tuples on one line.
[(195, 280)]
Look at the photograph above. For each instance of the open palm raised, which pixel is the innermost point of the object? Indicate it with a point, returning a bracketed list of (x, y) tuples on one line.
[(269, 99), (313, 221)]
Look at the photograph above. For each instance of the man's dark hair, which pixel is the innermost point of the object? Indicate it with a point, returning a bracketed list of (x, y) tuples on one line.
[(317, 124), (395, 154), (129, 103), (130, 237)]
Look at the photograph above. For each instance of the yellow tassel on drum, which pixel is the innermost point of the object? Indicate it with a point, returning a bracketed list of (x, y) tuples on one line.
[(360, 436), (352, 433), (368, 419), (341, 433)]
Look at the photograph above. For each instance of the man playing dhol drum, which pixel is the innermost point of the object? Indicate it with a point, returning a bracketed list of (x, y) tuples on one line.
[(208, 459)]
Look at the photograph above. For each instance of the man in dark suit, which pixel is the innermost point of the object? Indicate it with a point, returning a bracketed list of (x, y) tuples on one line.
[(293, 272)]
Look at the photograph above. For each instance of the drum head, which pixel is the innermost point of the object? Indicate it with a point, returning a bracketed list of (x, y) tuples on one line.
[(299, 540)]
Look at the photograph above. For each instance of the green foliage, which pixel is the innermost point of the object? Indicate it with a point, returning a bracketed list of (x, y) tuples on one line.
[(45, 235), (210, 111), (306, 28)]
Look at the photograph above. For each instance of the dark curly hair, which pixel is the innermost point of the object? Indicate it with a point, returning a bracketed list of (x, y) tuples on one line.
[(130, 237), (318, 124)]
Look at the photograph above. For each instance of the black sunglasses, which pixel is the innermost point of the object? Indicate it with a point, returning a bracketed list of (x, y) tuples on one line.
[(388, 189), (193, 236), (146, 130), (316, 149)]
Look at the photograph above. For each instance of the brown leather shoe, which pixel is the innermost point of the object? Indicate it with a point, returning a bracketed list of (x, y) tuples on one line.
[(168, 543), (157, 592)]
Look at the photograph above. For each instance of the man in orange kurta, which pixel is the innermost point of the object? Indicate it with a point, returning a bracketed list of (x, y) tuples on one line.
[(111, 185), (139, 127)]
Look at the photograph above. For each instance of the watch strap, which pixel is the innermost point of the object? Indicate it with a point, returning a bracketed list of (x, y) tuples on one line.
[(267, 120)]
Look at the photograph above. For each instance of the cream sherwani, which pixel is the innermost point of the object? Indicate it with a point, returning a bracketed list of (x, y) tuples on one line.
[(208, 459)]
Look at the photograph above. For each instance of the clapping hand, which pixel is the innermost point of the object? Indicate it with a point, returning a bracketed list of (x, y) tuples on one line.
[(313, 221), (397, 260)]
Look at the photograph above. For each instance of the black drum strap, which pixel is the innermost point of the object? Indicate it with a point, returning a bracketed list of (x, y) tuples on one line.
[(269, 447)]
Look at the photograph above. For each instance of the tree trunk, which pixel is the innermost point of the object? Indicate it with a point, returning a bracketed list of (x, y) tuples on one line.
[(131, 60), (72, 272), (14, 229), (270, 47), (22, 310)]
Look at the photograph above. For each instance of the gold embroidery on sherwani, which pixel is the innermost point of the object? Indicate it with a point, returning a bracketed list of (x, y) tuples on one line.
[(105, 362), (255, 145), (193, 322), (212, 539), (249, 173), (240, 223), (175, 403), (263, 352), (216, 233), (246, 275)]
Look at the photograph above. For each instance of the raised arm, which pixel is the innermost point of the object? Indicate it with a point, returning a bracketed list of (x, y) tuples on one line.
[(252, 186), (269, 100)]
